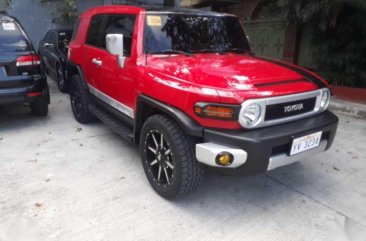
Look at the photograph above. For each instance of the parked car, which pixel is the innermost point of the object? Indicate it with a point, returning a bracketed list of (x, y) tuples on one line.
[(53, 50), (185, 85), (22, 79)]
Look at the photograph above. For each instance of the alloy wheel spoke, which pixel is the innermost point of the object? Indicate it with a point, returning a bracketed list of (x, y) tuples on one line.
[(152, 149), (166, 175), (153, 162), (170, 165), (167, 152), (159, 173), (156, 143), (162, 141)]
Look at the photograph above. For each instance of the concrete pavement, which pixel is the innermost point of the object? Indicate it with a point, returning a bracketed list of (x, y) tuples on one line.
[(60, 180)]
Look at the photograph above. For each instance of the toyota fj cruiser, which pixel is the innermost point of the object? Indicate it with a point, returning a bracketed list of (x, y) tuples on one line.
[(21, 77), (185, 85)]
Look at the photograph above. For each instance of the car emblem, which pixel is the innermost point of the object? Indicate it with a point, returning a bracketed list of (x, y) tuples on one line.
[(291, 108)]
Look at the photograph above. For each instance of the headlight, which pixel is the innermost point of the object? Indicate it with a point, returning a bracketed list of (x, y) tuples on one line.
[(250, 114), (324, 102)]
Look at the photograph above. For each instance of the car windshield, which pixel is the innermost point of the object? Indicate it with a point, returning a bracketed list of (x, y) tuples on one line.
[(12, 38), (169, 33)]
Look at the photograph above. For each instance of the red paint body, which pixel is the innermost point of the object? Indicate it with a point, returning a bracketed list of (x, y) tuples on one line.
[(179, 80)]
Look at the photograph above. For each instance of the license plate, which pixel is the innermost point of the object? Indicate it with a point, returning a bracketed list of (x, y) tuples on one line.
[(305, 143)]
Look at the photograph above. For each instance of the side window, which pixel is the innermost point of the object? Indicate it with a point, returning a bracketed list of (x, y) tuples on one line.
[(47, 37), (123, 24), (53, 38), (93, 31)]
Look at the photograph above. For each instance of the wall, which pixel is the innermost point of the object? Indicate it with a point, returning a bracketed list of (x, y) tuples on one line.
[(36, 16)]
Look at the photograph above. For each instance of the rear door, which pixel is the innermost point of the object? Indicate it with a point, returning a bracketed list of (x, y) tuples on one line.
[(50, 51)]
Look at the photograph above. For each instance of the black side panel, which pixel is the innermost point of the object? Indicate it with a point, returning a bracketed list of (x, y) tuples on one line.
[(112, 122), (304, 73), (117, 114), (190, 126)]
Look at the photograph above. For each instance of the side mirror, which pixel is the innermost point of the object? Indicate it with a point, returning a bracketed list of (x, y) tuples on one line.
[(114, 44)]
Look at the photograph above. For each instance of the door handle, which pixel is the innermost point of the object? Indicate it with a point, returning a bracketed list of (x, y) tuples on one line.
[(97, 62)]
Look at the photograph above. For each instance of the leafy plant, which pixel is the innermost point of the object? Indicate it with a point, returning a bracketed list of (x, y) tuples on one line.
[(66, 14), (340, 44), (5, 4), (339, 36)]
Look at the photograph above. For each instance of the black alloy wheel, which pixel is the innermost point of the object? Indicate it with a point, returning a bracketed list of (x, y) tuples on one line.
[(159, 158)]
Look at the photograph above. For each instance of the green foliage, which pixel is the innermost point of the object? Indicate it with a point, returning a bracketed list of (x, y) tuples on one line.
[(66, 14), (5, 4), (339, 42), (339, 36)]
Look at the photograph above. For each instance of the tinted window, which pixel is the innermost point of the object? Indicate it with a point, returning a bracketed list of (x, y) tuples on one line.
[(12, 38), (95, 24), (48, 37), (192, 33), (53, 38), (120, 24)]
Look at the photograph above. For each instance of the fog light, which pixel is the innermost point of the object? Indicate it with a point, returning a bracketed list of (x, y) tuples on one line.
[(224, 159)]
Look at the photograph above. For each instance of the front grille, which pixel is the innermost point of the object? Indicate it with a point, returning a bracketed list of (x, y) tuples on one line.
[(288, 109)]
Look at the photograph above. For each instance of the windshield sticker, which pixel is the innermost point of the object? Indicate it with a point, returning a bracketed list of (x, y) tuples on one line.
[(154, 21), (9, 26)]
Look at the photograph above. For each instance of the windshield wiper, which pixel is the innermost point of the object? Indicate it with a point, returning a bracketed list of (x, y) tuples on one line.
[(208, 51), (239, 50), (169, 51)]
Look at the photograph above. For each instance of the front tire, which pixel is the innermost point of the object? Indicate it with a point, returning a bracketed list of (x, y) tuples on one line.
[(168, 158), (79, 99)]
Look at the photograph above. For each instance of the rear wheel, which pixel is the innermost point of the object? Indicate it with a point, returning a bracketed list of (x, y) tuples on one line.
[(61, 81), (168, 158), (79, 98), (40, 106)]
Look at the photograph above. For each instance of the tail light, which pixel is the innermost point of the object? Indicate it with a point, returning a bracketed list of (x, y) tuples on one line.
[(28, 60)]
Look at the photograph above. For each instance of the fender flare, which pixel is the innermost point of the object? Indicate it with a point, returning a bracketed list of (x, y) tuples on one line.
[(73, 68), (190, 126)]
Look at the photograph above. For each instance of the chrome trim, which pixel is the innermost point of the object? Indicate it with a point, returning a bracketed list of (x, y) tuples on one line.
[(264, 102), (112, 102), (206, 153), (284, 159)]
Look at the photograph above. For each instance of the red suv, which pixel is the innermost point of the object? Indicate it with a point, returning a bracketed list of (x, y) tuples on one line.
[(185, 85)]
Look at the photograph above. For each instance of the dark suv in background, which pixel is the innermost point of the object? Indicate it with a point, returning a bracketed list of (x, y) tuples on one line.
[(21, 77), (53, 50)]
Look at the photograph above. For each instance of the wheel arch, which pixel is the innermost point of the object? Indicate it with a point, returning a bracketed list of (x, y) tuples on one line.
[(147, 106), (74, 69)]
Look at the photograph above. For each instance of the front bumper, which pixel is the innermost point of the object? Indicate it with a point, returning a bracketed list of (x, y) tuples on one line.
[(267, 148)]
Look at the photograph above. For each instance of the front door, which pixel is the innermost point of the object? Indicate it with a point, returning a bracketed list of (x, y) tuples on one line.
[(111, 83)]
